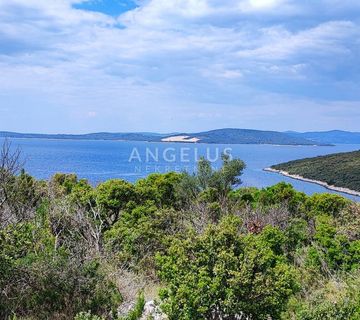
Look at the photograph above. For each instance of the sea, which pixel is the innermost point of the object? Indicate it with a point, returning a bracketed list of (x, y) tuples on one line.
[(99, 160)]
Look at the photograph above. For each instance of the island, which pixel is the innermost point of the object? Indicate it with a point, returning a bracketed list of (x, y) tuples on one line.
[(339, 171), (218, 136)]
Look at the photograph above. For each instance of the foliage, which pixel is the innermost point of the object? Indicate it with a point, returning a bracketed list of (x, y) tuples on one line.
[(329, 204), (334, 299), (39, 277), (63, 183), (159, 188), (206, 178), (112, 196), (141, 232), (82, 194), (208, 278), (336, 250), (340, 170)]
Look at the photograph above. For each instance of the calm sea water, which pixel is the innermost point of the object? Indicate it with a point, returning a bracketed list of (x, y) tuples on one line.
[(98, 161)]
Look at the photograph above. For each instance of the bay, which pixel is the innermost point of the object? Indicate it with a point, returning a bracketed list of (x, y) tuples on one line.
[(98, 161)]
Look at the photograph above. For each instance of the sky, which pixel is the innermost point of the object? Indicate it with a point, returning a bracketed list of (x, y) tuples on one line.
[(72, 66)]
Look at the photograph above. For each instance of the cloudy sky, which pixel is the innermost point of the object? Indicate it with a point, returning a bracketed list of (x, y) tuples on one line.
[(179, 65)]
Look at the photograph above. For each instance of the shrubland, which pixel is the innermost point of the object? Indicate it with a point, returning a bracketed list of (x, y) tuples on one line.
[(198, 244), (340, 169)]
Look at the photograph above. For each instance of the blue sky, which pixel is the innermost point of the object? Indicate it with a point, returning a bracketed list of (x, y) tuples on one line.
[(109, 7), (179, 65)]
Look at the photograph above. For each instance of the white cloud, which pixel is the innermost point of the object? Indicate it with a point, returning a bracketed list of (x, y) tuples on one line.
[(327, 38), (176, 13), (264, 3), (173, 52)]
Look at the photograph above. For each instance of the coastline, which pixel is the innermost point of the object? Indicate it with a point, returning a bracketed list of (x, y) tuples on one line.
[(160, 141), (321, 183)]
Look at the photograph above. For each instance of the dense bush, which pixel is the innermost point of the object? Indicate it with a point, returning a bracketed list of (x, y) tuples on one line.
[(336, 298), (40, 277), (222, 274), (141, 232)]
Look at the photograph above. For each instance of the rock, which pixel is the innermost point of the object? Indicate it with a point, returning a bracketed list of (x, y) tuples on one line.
[(125, 308), (153, 312)]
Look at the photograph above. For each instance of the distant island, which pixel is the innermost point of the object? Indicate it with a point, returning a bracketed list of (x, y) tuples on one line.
[(332, 137), (219, 136), (340, 171), (240, 136)]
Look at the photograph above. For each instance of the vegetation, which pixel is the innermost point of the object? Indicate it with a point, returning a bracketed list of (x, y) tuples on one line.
[(197, 244), (340, 169)]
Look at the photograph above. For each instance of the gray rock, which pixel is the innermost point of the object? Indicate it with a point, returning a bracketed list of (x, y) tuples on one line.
[(153, 312), (125, 308)]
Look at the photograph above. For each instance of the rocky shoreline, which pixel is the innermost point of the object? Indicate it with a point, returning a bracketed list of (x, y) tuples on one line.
[(321, 183)]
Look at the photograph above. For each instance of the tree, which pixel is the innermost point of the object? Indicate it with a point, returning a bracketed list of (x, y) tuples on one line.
[(160, 188), (112, 196), (62, 184), (142, 232), (325, 203), (280, 194), (221, 181), (10, 166), (50, 270), (332, 250), (19, 192), (223, 275), (82, 194)]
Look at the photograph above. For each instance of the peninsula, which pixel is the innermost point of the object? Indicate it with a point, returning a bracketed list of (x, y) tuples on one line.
[(339, 172)]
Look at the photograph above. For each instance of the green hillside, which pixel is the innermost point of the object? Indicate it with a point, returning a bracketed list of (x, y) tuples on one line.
[(340, 170)]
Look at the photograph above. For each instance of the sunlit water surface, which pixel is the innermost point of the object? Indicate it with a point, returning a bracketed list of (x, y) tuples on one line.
[(98, 161)]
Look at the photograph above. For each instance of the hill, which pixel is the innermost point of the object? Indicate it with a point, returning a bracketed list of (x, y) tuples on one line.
[(220, 136), (332, 137), (248, 136), (341, 170)]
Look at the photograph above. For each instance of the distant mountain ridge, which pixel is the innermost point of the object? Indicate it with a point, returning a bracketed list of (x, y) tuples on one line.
[(241, 136), (219, 136), (333, 136)]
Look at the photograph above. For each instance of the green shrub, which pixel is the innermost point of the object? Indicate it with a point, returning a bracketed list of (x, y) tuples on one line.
[(333, 299), (281, 194), (328, 204), (141, 232), (112, 197), (223, 274), (159, 188), (39, 279)]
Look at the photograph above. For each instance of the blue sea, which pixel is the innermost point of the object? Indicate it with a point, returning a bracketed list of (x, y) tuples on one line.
[(98, 161)]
